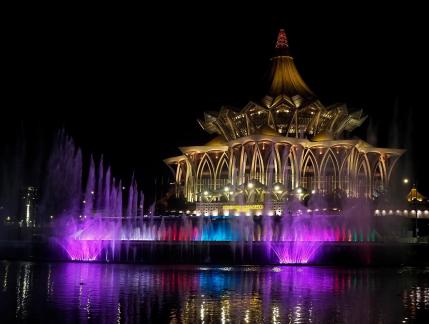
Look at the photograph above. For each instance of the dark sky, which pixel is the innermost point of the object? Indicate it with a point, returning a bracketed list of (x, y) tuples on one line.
[(131, 82)]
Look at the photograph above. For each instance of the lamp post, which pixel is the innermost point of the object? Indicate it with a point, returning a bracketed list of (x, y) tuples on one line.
[(414, 208)]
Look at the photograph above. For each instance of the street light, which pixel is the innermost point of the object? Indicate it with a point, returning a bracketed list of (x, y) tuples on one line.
[(414, 209)]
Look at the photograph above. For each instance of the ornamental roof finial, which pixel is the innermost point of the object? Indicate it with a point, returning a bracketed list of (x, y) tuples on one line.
[(282, 40)]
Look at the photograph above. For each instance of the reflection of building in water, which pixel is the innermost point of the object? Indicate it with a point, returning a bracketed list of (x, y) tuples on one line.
[(286, 145), (98, 293), (416, 302), (28, 207), (23, 290)]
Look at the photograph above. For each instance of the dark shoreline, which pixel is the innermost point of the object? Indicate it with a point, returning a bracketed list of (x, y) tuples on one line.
[(228, 253)]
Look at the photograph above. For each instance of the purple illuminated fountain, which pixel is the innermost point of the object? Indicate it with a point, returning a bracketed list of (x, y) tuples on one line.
[(105, 218), (82, 250)]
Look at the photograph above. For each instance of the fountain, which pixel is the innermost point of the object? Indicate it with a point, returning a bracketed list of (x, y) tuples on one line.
[(105, 218), (90, 215)]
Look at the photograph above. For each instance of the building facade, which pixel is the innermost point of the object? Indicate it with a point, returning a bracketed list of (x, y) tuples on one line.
[(287, 145)]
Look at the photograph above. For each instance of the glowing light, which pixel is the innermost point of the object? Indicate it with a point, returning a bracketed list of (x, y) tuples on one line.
[(296, 252), (8, 218), (299, 190), (92, 192), (51, 217), (247, 316), (243, 208), (313, 191), (282, 40), (82, 250), (250, 185), (276, 187), (206, 193), (406, 180), (226, 189), (377, 212), (27, 215)]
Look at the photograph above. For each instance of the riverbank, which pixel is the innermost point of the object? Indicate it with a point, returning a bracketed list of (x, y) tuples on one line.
[(229, 253)]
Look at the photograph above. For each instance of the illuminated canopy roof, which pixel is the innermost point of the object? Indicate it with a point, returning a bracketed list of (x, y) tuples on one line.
[(290, 108), (415, 196)]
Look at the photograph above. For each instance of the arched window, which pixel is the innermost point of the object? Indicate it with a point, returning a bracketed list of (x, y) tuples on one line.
[(257, 166), (329, 175), (289, 173), (271, 172), (309, 172), (362, 180), (377, 178), (222, 172), (205, 174)]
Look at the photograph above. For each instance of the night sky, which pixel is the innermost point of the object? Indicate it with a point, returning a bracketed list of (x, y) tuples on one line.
[(130, 83)]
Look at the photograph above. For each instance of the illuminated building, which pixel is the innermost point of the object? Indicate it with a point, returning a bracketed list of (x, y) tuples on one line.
[(416, 197), (29, 197), (288, 144)]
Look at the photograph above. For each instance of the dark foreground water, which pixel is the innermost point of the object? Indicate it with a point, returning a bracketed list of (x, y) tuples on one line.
[(115, 293)]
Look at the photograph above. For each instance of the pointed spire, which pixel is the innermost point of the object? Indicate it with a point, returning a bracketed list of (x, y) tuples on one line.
[(285, 78), (282, 40)]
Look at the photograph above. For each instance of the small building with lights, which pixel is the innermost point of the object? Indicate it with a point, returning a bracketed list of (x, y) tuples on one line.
[(286, 146), (28, 207)]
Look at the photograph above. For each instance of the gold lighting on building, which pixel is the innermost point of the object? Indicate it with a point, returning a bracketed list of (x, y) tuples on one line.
[(288, 140)]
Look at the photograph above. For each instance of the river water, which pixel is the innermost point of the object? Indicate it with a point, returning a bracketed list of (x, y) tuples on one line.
[(42, 292)]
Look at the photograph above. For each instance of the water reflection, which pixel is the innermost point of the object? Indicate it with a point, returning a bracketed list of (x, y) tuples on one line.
[(82, 292)]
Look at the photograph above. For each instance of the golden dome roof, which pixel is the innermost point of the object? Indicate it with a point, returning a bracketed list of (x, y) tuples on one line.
[(217, 141), (323, 136)]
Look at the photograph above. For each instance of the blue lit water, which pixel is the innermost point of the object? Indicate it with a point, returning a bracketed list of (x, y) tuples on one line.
[(114, 293)]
